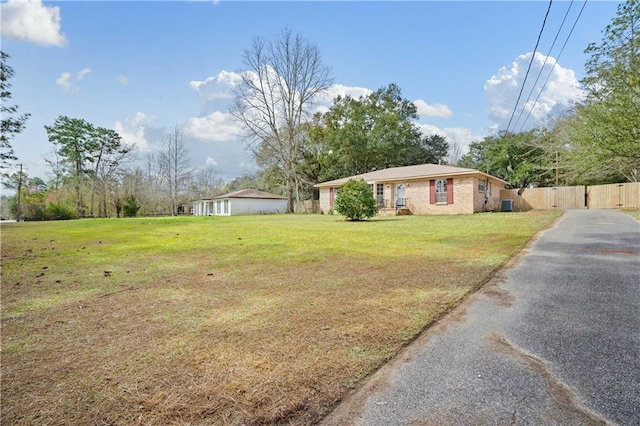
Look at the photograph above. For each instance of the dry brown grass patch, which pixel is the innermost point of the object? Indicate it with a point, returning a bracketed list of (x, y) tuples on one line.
[(268, 341)]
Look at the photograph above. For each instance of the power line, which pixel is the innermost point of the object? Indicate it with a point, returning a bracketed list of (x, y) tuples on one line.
[(529, 68), (546, 58), (554, 65)]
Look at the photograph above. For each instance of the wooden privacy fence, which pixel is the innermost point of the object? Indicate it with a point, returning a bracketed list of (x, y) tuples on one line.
[(307, 206), (614, 196)]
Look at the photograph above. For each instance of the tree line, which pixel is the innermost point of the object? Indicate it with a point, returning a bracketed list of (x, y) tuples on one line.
[(296, 144), (596, 143)]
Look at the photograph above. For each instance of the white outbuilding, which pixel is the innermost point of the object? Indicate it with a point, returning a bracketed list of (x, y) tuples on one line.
[(245, 201)]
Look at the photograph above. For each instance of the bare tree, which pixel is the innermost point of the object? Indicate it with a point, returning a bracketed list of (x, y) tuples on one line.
[(131, 182), (454, 155), (174, 164), (205, 182), (153, 184), (274, 99), (110, 153), (58, 168), (110, 172)]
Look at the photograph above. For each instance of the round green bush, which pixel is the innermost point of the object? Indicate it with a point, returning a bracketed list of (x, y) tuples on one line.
[(355, 200)]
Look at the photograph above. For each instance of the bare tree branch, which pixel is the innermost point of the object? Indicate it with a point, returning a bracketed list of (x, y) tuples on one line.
[(274, 100)]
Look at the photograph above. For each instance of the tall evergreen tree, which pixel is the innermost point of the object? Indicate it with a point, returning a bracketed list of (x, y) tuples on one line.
[(74, 139), (11, 123)]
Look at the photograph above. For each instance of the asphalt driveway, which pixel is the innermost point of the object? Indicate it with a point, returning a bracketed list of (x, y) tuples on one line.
[(553, 339)]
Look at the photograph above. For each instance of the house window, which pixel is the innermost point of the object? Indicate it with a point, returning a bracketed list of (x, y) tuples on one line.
[(441, 191), (218, 203), (226, 207), (484, 186)]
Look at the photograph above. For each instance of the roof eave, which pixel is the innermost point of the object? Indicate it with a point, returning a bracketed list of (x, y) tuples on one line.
[(340, 182)]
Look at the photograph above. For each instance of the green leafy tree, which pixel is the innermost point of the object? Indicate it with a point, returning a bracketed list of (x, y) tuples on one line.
[(521, 159), (11, 123), (355, 200), (431, 149), (371, 133), (88, 157), (606, 130), (577, 163)]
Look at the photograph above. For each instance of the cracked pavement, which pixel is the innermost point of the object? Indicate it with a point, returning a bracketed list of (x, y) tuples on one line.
[(553, 339)]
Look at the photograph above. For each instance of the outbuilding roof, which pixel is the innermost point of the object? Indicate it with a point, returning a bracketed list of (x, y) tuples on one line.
[(419, 171), (250, 193)]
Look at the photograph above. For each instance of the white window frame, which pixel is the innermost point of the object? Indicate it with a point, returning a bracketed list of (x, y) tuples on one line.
[(441, 191)]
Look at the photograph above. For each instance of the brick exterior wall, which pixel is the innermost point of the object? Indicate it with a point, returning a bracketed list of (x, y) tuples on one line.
[(493, 201), (466, 197)]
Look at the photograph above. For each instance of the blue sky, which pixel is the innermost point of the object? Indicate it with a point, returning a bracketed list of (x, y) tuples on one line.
[(142, 68)]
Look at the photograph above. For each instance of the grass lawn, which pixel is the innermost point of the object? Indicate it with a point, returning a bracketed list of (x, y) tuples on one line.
[(237, 320), (634, 213)]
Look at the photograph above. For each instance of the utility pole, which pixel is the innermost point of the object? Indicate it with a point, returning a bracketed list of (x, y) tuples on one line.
[(557, 169), (19, 193)]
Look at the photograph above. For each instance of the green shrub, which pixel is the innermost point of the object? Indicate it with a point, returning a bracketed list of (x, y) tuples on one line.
[(355, 200), (130, 207), (59, 212)]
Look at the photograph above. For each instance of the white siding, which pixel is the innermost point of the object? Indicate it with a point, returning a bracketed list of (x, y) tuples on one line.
[(203, 207), (239, 206)]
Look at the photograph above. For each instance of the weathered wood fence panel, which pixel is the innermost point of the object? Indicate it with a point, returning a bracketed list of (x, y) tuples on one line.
[(604, 196), (563, 197), (570, 197), (307, 206), (615, 196), (631, 195)]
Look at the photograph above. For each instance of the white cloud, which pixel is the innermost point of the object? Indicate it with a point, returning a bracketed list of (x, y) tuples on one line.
[(454, 135), (215, 127), (435, 110), (122, 79), (215, 91), (211, 162), (64, 81), (216, 87), (133, 130), (335, 90), (67, 80), (82, 73), (30, 20), (560, 93), (323, 101)]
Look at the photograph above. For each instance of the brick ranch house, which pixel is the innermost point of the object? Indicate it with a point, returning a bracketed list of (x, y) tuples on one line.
[(423, 189)]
